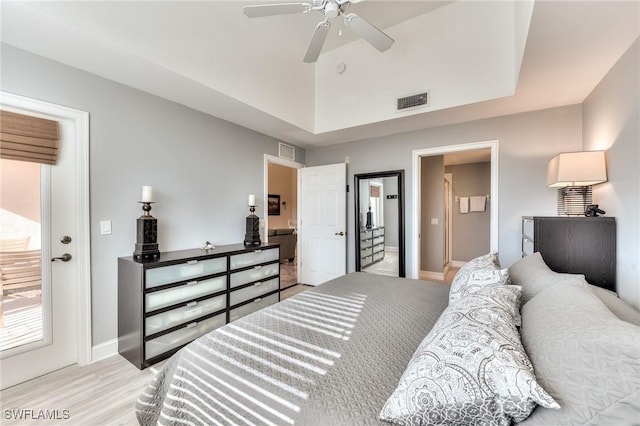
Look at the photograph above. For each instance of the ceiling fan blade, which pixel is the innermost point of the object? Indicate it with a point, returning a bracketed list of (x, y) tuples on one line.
[(258, 11), (319, 35), (367, 31)]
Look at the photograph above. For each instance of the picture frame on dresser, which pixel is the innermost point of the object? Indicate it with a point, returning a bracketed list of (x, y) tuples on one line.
[(168, 302)]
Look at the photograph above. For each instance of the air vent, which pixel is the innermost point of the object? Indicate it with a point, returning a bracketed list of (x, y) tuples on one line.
[(286, 151), (413, 101)]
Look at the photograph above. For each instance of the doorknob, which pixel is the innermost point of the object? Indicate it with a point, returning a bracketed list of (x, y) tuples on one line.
[(65, 258), (340, 233)]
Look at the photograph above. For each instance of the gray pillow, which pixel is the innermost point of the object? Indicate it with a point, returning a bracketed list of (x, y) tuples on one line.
[(465, 280), (584, 356), (534, 276), (470, 369), (616, 305)]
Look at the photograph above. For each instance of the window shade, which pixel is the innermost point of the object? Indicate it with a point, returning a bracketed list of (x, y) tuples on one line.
[(27, 138), (375, 191)]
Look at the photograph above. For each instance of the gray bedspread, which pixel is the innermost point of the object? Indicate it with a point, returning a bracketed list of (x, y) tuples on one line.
[(331, 355)]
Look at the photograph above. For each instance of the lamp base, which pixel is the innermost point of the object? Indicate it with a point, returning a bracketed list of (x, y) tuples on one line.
[(146, 252), (146, 247), (252, 235), (573, 200)]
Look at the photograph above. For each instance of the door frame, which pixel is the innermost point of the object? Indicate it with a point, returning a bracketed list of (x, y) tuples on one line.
[(80, 120), (448, 231), (416, 190), (265, 213), (283, 162)]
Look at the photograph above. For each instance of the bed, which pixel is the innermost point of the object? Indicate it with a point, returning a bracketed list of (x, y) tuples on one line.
[(338, 353)]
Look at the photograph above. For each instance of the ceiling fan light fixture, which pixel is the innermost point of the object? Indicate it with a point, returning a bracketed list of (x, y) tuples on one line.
[(331, 10)]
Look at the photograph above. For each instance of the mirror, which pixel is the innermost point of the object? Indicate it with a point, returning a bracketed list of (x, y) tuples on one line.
[(379, 207)]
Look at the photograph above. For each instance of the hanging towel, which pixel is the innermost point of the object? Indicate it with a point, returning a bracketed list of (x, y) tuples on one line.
[(464, 204), (478, 203)]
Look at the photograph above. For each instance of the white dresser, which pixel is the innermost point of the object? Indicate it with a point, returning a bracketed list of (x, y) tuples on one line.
[(168, 302)]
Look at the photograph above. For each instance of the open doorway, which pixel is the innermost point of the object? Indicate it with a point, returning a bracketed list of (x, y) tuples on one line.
[(281, 214), (454, 219)]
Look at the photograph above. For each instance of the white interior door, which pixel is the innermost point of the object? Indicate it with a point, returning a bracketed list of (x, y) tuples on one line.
[(323, 225), (51, 330)]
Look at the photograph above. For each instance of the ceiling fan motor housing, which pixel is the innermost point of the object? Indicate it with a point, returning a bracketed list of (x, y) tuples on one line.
[(331, 10)]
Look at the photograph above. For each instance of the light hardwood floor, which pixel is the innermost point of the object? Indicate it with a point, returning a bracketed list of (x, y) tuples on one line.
[(103, 393)]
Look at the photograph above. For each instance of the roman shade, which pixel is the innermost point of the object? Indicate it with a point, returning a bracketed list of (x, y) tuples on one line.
[(27, 138)]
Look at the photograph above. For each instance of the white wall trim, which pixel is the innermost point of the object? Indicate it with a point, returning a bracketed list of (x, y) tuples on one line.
[(431, 275), (104, 350), (415, 196), (458, 263), (82, 235), (391, 249), (277, 160)]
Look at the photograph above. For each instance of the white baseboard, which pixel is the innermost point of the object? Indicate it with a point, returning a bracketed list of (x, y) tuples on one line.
[(391, 249), (104, 350), (458, 263), (431, 275)]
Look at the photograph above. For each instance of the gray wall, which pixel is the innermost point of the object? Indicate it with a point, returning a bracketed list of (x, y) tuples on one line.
[(471, 231), (201, 168), (611, 121), (432, 207), (527, 141)]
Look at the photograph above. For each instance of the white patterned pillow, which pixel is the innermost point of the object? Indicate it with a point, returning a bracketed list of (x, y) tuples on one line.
[(477, 273), (471, 368)]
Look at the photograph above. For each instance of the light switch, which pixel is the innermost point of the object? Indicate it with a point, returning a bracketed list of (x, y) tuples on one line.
[(105, 227), (434, 220)]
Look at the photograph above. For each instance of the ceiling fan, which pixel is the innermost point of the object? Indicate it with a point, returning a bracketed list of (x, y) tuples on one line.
[(330, 9)]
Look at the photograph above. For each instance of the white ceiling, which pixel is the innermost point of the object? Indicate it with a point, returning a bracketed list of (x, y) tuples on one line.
[(193, 52)]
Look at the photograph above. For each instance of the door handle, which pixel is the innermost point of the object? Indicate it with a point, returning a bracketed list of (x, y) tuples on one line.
[(340, 234), (65, 258)]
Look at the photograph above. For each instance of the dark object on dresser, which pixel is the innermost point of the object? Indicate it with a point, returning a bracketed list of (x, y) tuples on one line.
[(592, 210), (575, 245), (166, 303), (287, 239)]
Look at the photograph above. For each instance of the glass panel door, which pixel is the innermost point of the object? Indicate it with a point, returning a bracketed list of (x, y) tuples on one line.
[(21, 313)]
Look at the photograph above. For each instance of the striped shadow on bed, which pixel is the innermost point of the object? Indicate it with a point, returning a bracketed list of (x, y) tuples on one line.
[(330, 355)]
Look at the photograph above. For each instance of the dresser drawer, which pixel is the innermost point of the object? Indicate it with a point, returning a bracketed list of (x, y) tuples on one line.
[(527, 227), (172, 340), (366, 252), (366, 260), (256, 290), (252, 307), (365, 235), (184, 293), (378, 240), (527, 246), (189, 312), (257, 273), (184, 271), (253, 258), (378, 256), (378, 232)]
